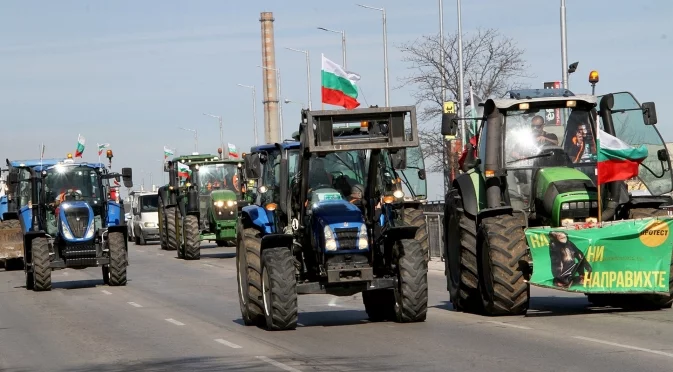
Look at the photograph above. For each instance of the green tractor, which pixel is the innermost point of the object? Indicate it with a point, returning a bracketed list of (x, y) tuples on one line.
[(528, 207), (199, 203)]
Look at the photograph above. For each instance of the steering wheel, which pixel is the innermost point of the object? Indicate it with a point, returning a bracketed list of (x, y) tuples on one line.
[(72, 194)]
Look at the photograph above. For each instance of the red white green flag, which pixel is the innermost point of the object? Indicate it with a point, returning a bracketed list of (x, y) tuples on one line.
[(167, 152), (232, 150), (617, 160), (80, 146), (183, 170), (338, 85), (102, 147)]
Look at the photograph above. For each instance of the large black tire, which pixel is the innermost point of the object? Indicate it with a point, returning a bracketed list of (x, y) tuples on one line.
[(171, 231), (249, 275), (163, 238), (415, 217), (460, 242), (379, 304), (279, 287), (502, 249), (411, 294), (41, 268), (192, 238), (118, 259)]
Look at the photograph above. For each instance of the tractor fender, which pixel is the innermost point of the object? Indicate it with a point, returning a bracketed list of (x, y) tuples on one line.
[(499, 211), (277, 241), (468, 193), (114, 214), (258, 218)]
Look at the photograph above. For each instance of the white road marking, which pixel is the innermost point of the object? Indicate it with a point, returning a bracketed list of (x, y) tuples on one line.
[(207, 264), (160, 254), (106, 292), (227, 343), (662, 353), (135, 304), (278, 364), (171, 320), (509, 325), (65, 273)]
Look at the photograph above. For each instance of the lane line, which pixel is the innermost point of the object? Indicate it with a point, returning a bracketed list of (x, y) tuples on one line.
[(160, 254), (662, 353), (106, 292), (278, 364), (508, 325), (171, 320), (207, 264), (135, 304), (65, 273), (227, 343)]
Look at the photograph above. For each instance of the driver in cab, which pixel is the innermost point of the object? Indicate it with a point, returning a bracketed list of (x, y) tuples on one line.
[(541, 137)]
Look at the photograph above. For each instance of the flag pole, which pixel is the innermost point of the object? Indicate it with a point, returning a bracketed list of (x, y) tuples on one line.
[(600, 199)]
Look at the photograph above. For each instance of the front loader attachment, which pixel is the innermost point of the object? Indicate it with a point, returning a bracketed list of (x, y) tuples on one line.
[(11, 240)]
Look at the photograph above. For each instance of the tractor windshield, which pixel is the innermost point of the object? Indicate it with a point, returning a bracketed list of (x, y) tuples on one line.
[(73, 182), (219, 176), (413, 176), (338, 170), (630, 127)]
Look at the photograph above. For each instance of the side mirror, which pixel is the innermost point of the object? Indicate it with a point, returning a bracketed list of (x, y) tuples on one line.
[(399, 159), (649, 113), (421, 174), (253, 167), (135, 210), (127, 176), (662, 155), (449, 124), (13, 178)]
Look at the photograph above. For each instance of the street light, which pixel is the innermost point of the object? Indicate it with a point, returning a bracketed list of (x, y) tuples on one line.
[(343, 42), (219, 118), (385, 50), (196, 137), (461, 92), (308, 72), (280, 107), (441, 49), (564, 45), (295, 102), (254, 110)]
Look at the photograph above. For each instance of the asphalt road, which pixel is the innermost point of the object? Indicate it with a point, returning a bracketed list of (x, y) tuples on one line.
[(179, 315)]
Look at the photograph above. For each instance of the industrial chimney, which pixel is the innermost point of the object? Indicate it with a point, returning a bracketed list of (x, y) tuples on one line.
[(271, 99)]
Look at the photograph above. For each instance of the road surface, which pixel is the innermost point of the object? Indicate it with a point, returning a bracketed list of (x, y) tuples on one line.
[(179, 315)]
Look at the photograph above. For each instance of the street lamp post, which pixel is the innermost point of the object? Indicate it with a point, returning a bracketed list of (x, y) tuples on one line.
[(441, 48), (564, 45), (254, 110), (219, 118), (461, 92), (343, 42), (196, 137), (385, 50), (280, 107), (308, 72)]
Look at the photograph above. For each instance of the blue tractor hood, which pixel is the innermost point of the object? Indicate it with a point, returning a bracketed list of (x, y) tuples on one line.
[(76, 221), (329, 212)]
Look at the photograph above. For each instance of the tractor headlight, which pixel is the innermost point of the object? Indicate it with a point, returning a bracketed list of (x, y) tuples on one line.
[(89, 231), (363, 243), (66, 231), (565, 206), (219, 203), (398, 194), (594, 204), (230, 203), (330, 241)]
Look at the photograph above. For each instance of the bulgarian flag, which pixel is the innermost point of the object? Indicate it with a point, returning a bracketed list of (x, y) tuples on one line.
[(183, 170), (80, 146), (338, 86), (167, 152), (617, 160), (102, 147), (232, 150)]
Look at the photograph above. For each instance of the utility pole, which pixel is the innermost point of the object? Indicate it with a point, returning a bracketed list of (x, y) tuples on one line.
[(564, 46)]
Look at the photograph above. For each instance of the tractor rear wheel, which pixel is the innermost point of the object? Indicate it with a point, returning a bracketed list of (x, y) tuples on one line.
[(118, 259), (379, 304), (249, 275), (415, 217), (279, 289), (192, 250), (411, 295), (171, 231), (163, 240), (503, 247), (41, 267), (460, 255)]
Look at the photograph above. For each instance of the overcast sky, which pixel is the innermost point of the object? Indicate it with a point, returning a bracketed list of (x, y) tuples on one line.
[(131, 72)]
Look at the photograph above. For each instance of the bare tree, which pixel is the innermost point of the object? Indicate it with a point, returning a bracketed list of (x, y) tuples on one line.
[(491, 61)]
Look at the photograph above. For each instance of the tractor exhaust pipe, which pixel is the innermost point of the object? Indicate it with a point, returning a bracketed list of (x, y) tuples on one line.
[(492, 161), (610, 204)]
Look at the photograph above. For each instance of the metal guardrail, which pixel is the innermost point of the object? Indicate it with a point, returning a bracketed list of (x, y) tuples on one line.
[(434, 222)]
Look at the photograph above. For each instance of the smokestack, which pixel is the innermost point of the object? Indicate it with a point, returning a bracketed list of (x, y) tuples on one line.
[(271, 102)]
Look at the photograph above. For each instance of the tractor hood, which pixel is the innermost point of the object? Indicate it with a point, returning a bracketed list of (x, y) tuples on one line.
[(76, 221), (329, 212), (223, 195), (563, 194)]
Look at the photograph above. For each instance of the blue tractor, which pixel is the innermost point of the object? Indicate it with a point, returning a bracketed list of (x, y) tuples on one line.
[(11, 237), (71, 222), (327, 218)]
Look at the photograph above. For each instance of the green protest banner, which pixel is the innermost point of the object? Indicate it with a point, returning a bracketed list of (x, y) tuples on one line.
[(631, 256)]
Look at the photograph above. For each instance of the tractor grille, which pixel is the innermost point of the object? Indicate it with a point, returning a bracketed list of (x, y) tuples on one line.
[(224, 213), (347, 238), (78, 220), (79, 252)]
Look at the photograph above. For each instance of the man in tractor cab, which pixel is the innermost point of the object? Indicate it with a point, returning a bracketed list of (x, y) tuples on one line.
[(317, 174), (542, 138), (356, 194)]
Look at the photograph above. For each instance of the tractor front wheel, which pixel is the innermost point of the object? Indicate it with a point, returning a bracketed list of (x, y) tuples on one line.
[(411, 293), (415, 217), (192, 245), (41, 264), (279, 289), (249, 275), (171, 231), (503, 248), (118, 259)]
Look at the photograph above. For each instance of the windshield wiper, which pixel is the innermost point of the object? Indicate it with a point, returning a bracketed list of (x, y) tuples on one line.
[(546, 154)]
